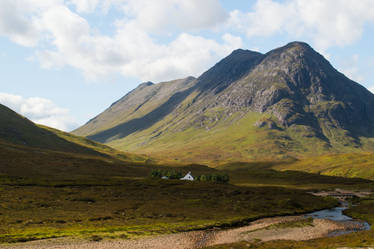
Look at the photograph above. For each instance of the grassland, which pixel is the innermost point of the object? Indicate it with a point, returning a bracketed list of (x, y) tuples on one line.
[(45, 194), (99, 193), (139, 207)]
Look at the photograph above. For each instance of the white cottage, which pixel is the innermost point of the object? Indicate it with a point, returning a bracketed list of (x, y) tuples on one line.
[(187, 177)]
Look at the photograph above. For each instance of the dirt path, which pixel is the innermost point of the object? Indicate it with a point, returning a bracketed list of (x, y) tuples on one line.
[(199, 239)]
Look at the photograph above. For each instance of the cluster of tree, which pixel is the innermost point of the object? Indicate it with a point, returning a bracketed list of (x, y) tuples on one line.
[(218, 178), (171, 174)]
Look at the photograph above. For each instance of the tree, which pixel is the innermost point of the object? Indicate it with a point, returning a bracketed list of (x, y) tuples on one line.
[(156, 173), (203, 178)]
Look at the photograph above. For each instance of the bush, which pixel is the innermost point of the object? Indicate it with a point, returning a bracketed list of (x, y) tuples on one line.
[(96, 238), (171, 174), (156, 173), (217, 178)]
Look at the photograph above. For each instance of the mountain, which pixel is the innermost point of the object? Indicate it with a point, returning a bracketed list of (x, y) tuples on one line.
[(288, 102)]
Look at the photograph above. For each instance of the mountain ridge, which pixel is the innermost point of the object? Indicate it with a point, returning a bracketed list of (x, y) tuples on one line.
[(294, 96)]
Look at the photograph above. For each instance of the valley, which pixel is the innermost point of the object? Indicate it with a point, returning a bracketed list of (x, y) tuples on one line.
[(282, 127)]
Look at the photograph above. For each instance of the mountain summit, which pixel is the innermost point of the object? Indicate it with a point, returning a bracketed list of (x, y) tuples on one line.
[(289, 101)]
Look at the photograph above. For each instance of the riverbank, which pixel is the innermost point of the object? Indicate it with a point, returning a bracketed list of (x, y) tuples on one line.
[(297, 227)]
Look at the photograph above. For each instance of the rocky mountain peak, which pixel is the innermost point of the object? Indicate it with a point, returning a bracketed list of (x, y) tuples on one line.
[(145, 84), (228, 70), (292, 91)]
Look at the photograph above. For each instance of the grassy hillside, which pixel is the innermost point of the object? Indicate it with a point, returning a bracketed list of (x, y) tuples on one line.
[(101, 148), (231, 139), (16, 129), (346, 165), (264, 174)]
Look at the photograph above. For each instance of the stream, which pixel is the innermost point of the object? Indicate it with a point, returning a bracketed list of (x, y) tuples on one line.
[(336, 214)]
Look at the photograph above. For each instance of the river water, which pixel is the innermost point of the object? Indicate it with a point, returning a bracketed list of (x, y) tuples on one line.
[(336, 214)]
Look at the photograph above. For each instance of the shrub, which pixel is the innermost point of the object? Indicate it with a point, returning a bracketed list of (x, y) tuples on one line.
[(96, 238), (171, 174), (217, 178)]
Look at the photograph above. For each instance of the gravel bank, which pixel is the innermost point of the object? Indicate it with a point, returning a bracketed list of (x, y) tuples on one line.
[(199, 239)]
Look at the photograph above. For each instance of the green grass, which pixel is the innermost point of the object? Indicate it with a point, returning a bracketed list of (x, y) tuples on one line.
[(139, 207)]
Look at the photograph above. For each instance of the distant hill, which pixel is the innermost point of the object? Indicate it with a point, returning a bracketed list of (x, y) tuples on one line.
[(287, 102), (18, 130)]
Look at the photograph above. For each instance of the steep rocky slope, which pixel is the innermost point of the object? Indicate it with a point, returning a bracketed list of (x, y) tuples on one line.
[(289, 101), (143, 106)]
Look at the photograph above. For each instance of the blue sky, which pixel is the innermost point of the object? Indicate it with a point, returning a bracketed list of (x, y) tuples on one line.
[(65, 61)]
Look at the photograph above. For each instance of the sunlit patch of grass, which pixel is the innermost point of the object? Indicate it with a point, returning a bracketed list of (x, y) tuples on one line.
[(292, 224), (345, 165)]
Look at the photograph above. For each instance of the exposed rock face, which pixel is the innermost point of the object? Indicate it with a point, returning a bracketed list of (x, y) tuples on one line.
[(296, 87)]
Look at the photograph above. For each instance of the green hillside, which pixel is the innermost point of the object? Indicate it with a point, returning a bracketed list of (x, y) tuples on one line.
[(18, 130), (346, 165), (98, 147), (237, 138)]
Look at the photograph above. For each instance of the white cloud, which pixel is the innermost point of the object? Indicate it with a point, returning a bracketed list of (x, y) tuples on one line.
[(40, 110), (85, 5), (327, 23), (15, 25), (131, 51), (63, 37), (160, 15)]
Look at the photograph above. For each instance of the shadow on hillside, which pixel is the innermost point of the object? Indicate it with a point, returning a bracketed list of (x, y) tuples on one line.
[(144, 122)]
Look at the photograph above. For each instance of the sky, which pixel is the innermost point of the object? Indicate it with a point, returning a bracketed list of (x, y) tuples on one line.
[(62, 62)]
